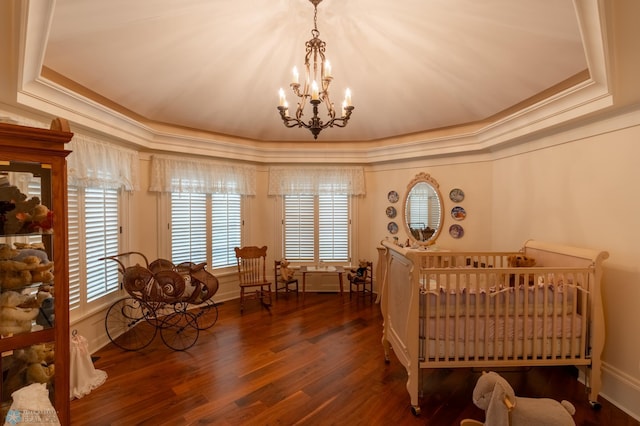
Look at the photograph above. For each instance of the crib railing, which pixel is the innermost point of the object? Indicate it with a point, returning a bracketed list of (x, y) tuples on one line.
[(493, 315)]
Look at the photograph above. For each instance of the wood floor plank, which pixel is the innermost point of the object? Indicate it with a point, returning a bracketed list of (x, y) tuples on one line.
[(314, 363)]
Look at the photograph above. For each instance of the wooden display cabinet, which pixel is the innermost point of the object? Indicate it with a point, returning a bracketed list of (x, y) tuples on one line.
[(33, 173)]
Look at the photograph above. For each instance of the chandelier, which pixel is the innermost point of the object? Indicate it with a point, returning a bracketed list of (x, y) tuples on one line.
[(315, 89)]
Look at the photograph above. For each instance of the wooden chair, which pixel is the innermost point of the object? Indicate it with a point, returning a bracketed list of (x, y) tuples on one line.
[(361, 277), (281, 283), (252, 273)]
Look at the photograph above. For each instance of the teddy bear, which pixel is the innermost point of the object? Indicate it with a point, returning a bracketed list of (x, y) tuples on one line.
[(360, 274), (286, 273), (502, 407), (520, 261), (16, 207), (42, 273), (21, 271), (26, 252), (15, 319), (34, 364), (46, 314), (34, 246), (15, 274), (40, 219), (7, 252)]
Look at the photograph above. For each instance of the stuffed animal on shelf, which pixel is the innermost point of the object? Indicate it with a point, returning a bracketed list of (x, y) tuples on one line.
[(502, 407), (34, 246), (17, 211), (7, 252), (33, 364), (359, 274), (286, 273), (15, 319), (24, 267), (15, 274), (40, 219)]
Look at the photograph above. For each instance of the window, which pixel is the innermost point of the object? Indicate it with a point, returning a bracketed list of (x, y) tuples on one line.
[(188, 227), (94, 232), (226, 229), (317, 228), (205, 228)]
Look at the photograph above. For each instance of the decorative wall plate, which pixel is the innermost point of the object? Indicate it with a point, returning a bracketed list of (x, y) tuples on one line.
[(391, 212), (456, 195), (456, 231), (392, 227), (458, 213), (392, 196)]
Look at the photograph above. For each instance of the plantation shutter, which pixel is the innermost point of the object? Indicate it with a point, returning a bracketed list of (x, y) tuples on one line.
[(299, 227), (188, 227), (226, 229), (74, 220), (333, 227), (101, 239)]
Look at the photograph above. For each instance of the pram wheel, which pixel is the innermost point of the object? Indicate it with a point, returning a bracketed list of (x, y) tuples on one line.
[(127, 326), (206, 315), (179, 330)]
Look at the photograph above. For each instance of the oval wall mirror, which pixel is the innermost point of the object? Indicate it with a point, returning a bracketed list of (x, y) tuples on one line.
[(423, 210)]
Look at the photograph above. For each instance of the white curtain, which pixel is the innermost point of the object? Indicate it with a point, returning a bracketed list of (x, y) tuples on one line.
[(97, 164), (179, 174), (316, 180)]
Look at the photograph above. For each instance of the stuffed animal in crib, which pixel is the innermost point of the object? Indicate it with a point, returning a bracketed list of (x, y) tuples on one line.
[(286, 273), (360, 274), (502, 407), (520, 261)]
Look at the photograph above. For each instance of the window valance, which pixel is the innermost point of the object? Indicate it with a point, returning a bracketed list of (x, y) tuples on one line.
[(175, 174), (316, 180), (96, 164)]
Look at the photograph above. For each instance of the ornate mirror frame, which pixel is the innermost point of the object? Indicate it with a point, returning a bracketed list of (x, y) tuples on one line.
[(425, 235)]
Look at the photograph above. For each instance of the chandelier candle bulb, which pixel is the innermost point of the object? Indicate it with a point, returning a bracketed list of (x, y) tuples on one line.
[(347, 97), (327, 69), (283, 100), (314, 91), (296, 76)]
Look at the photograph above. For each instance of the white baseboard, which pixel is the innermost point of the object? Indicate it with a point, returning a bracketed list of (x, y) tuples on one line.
[(621, 389)]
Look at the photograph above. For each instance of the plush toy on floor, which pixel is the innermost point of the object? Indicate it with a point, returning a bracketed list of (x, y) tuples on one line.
[(503, 408)]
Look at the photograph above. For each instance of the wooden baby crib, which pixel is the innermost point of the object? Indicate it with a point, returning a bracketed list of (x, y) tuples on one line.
[(470, 309)]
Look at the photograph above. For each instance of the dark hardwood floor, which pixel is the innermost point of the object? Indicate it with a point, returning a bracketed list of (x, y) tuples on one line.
[(320, 363)]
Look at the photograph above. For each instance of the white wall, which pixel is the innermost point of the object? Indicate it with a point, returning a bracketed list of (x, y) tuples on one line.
[(582, 193)]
